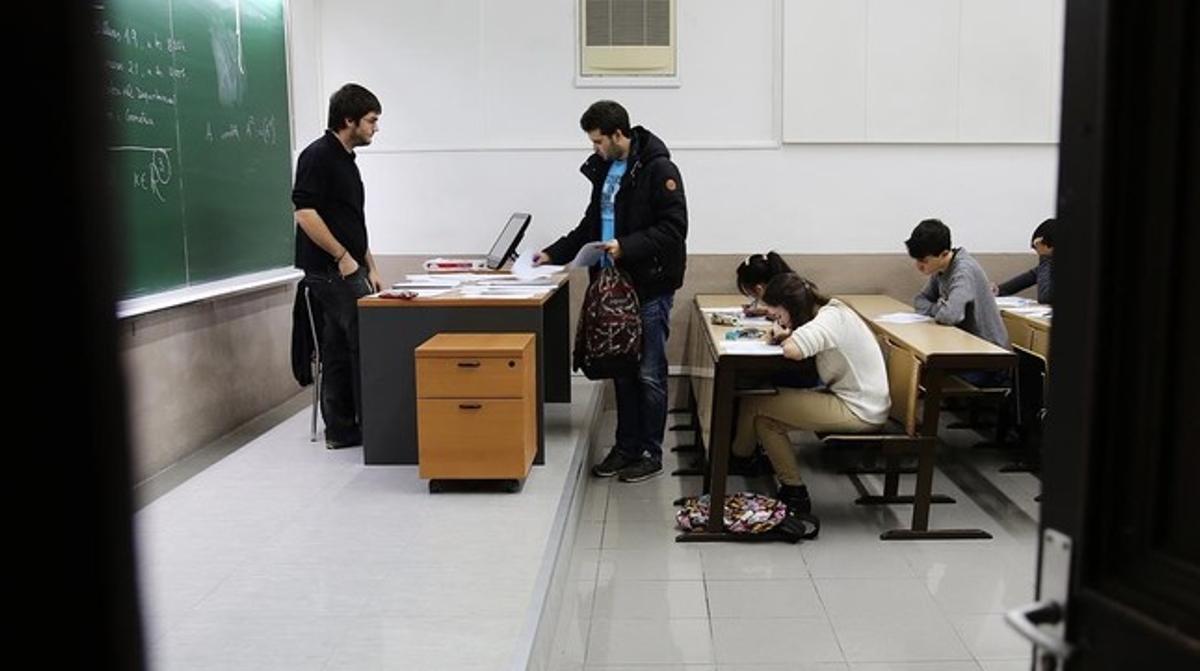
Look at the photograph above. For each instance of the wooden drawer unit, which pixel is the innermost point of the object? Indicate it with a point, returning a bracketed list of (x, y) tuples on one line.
[(476, 412)]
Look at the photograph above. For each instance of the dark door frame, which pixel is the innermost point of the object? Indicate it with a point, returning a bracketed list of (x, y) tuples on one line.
[(1122, 446)]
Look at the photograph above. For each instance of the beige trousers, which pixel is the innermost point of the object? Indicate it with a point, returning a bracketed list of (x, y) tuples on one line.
[(767, 420)]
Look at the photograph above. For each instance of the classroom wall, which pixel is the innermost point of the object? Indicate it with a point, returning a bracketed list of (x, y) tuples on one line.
[(198, 371), (480, 119)]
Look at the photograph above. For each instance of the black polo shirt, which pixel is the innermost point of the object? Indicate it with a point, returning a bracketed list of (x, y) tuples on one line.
[(328, 181)]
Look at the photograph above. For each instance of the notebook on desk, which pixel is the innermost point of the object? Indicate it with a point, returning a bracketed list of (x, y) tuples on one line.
[(503, 249)]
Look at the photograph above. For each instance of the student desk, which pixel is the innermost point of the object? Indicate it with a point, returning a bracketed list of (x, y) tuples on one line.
[(942, 350), (390, 329), (1030, 332), (713, 372)]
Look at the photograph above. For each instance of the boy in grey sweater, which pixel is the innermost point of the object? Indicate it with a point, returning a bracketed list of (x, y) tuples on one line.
[(958, 293)]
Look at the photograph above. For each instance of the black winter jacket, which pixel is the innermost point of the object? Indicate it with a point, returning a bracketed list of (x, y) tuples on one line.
[(651, 217)]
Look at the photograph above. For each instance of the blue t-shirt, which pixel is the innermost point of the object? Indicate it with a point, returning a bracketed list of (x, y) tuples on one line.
[(608, 195)]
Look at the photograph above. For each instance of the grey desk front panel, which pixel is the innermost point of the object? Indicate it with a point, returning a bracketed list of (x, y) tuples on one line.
[(388, 336)]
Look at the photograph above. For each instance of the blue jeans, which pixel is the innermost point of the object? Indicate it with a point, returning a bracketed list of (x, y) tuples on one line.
[(642, 398)]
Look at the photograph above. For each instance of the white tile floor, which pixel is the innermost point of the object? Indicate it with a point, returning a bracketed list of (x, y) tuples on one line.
[(284, 555), (287, 556), (846, 601)]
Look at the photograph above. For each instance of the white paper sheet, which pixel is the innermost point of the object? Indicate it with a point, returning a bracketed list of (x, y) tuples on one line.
[(445, 279), (903, 318), (589, 255), (1013, 301), (1032, 311), (523, 267), (753, 347), (483, 291)]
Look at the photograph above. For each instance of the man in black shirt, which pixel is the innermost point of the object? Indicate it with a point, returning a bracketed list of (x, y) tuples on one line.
[(331, 249)]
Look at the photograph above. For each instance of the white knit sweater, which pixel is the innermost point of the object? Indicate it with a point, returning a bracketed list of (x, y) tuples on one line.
[(849, 360)]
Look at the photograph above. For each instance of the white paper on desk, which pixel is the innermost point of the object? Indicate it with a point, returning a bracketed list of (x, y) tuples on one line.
[(501, 296), (523, 268), (722, 311), (447, 278), (429, 293), (754, 347), (588, 256), (1013, 301), (419, 286), (760, 322), (541, 282), (903, 318), (420, 292), (1032, 311), (485, 291), (429, 281)]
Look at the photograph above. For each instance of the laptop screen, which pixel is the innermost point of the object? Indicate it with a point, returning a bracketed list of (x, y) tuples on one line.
[(505, 246)]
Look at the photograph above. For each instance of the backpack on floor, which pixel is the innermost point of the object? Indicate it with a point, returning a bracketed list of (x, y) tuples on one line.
[(608, 340), (751, 514)]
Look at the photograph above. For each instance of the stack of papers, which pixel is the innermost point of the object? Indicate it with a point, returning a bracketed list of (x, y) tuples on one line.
[(440, 278), (484, 291)]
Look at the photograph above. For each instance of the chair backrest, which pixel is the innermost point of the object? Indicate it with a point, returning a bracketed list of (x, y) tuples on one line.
[(904, 380)]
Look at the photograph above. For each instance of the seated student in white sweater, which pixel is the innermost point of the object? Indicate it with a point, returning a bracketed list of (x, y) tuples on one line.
[(848, 360)]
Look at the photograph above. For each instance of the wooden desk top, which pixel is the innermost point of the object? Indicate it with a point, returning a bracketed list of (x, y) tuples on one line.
[(456, 298), (923, 339), (453, 345)]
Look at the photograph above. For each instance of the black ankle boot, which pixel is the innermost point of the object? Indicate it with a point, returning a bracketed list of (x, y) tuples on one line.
[(795, 497)]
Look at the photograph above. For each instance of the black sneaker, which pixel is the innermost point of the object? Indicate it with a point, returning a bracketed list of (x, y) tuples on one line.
[(642, 469), (339, 443), (795, 497), (612, 464)]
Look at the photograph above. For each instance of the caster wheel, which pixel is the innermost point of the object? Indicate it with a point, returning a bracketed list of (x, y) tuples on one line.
[(435, 487), (512, 486)]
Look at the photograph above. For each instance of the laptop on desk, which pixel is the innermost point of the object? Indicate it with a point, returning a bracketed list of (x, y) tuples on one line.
[(503, 249)]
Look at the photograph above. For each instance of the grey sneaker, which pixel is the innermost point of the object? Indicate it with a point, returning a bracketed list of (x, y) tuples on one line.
[(612, 464), (642, 469)]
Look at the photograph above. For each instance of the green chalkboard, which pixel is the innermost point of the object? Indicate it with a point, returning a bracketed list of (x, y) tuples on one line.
[(200, 173)]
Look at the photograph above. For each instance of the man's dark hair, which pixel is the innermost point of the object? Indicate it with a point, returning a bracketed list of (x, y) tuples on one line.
[(1045, 231), (797, 295), (607, 117), (760, 269), (351, 102), (930, 238)]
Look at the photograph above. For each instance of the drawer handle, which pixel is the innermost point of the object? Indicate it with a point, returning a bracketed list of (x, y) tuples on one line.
[(468, 364), (470, 406)]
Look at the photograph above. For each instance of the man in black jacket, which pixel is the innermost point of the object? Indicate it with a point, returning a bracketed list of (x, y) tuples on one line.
[(639, 211)]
